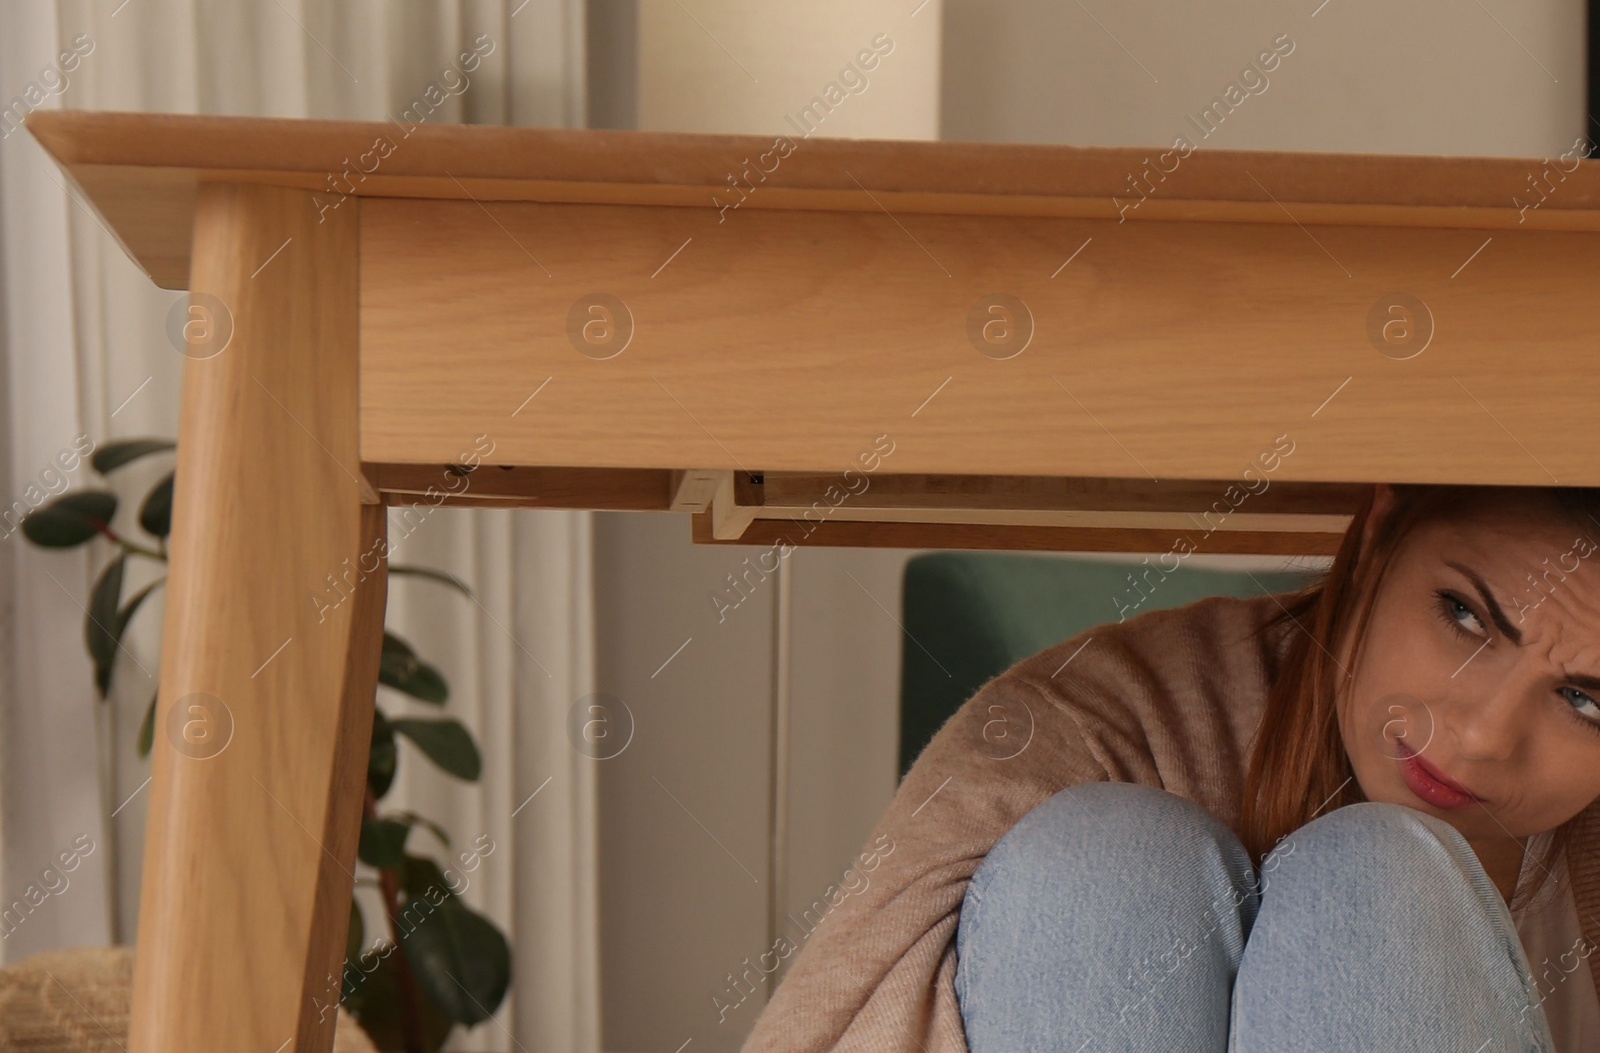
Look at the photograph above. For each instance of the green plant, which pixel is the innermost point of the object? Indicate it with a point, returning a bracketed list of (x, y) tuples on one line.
[(444, 964)]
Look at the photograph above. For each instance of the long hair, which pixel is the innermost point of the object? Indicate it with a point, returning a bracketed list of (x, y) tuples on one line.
[(1298, 765)]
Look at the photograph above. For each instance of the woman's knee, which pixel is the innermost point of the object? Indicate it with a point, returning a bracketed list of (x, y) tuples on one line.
[(1368, 897), (1109, 880), (1114, 816), (1384, 863), (1376, 840), (1115, 838)]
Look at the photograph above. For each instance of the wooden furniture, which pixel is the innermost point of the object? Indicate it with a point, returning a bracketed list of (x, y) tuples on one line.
[(897, 343)]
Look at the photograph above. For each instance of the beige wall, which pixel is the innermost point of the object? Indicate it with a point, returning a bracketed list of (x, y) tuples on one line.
[(684, 809), (1365, 76), (689, 888), (745, 65)]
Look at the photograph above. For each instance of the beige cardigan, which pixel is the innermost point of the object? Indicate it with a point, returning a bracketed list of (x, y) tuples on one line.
[(1168, 698)]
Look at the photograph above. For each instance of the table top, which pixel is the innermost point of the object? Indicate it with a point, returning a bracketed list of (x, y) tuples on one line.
[(1228, 297), (140, 171)]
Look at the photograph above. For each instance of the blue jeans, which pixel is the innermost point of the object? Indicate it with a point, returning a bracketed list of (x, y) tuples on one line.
[(1119, 917)]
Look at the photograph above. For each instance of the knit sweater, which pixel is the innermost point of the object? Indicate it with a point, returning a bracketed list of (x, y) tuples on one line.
[(1168, 698)]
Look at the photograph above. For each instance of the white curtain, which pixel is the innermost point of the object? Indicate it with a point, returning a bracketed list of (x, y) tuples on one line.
[(86, 353)]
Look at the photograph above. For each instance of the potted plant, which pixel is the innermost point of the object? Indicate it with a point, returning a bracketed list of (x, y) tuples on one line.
[(442, 964)]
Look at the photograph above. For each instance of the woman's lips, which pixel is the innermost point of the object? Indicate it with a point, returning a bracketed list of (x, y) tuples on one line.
[(1430, 784)]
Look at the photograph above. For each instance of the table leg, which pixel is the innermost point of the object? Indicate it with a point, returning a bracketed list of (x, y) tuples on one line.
[(274, 620)]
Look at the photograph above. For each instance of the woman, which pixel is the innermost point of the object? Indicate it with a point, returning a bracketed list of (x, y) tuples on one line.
[(1357, 817)]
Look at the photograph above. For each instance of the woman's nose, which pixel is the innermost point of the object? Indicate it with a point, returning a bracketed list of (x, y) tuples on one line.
[(1488, 720)]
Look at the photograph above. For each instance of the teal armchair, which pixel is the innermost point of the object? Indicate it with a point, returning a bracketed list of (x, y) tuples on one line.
[(971, 615)]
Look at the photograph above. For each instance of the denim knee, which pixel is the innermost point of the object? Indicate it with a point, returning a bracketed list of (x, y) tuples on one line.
[(1389, 907), (1122, 846), (1113, 910), (1140, 823), (1396, 844), (1386, 866)]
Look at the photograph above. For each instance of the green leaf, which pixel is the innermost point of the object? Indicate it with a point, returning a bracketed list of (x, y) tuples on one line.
[(119, 628), (114, 455), (461, 960), (147, 728), (447, 744), (437, 575), (381, 760), (401, 669), (419, 874), (125, 615), (383, 842), (155, 515), (374, 998), (70, 520), (100, 622)]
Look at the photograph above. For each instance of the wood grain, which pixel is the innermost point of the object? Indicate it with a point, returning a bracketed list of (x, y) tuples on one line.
[(786, 342), (839, 532), (1281, 518), (141, 172), (987, 492), (630, 489), (250, 847)]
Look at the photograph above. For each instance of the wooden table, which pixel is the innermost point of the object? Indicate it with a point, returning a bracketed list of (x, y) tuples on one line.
[(805, 342)]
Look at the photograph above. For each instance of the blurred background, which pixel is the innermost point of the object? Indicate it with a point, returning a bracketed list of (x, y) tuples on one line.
[(765, 743)]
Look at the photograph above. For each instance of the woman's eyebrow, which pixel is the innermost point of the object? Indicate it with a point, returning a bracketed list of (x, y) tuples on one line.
[(1590, 682), (1497, 615)]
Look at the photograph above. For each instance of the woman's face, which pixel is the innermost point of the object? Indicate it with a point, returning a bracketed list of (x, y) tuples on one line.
[(1490, 675)]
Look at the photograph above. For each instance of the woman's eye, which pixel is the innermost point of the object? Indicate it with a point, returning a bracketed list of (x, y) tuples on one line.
[(1583, 703), (1458, 615), (1462, 609)]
